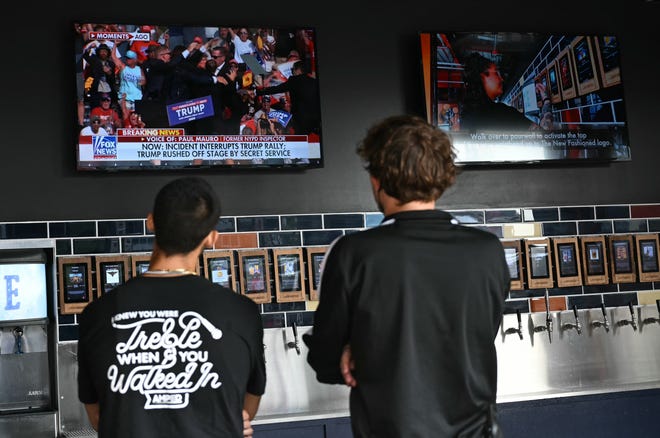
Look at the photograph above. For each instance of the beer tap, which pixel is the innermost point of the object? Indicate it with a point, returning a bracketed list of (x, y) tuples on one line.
[(295, 344), (548, 319), (518, 330), (604, 323), (632, 321), (18, 340), (651, 320), (577, 326)]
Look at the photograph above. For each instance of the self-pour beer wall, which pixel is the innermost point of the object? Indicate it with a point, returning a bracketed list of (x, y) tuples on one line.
[(368, 68), (242, 232)]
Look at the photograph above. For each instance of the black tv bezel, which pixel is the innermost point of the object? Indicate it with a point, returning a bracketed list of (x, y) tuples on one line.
[(275, 168)]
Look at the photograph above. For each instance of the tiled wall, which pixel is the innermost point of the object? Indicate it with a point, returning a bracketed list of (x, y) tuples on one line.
[(241, 232)]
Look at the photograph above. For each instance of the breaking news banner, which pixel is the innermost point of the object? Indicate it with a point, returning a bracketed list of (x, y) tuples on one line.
[(146, 144)]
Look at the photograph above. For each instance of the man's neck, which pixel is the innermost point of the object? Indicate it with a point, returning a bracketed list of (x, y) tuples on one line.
[(162, 262), (390, 205), (393, 207)]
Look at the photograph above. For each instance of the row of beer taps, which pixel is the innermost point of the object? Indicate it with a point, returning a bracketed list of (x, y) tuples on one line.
[(577, 325)]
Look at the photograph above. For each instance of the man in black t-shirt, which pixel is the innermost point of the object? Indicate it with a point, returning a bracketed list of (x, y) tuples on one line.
[(409, 310), (170, 354)]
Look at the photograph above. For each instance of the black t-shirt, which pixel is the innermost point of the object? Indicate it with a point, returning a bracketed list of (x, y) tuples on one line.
[(170, 357), (419, 299)]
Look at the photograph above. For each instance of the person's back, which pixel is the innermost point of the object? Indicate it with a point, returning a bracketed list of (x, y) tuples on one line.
[(409, 310), (427, 302), (171, 357), (170, 354)]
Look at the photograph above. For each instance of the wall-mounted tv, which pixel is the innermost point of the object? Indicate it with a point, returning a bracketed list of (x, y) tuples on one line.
[(165, 96), (522, 98)]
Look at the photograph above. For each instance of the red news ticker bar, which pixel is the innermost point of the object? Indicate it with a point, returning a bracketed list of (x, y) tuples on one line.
[(214, 138)]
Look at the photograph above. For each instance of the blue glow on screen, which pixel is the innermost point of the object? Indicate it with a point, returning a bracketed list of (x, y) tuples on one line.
[(23, 292)]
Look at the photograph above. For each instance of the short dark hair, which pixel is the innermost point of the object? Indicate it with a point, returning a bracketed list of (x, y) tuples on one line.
[(474, 65), (185, 211), (412, 159), (222, 49), (300, 65)]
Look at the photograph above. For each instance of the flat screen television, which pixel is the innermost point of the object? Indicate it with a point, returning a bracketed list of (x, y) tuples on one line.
[(25, 286), (165, 96), (525, 98)]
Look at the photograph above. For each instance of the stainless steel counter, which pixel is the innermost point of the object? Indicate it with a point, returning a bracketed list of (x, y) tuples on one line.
[(594, 361)]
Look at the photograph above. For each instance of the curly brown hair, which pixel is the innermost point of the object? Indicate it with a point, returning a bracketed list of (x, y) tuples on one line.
[(412, 159)]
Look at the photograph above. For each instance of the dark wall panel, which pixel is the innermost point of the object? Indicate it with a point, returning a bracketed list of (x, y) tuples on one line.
[(368, 69)]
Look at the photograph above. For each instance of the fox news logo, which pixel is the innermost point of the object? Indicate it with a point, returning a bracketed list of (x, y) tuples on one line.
[(104, 146)]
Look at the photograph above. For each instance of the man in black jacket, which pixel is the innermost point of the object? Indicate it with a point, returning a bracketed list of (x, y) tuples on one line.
[(303, 91), (409, 310)]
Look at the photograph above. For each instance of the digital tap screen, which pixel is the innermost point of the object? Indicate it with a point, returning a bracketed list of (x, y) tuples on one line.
[(538, 255), (511, 256), (289, 272), (317, 262), (75, 283), (622, 260), (649, 255), (141, 267), (112, 275), (220, 269), (567, 260), (595, 260), (254, 269)]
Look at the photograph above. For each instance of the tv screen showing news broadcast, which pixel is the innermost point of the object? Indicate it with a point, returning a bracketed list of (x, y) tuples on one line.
[(508, 97), (163, 97)]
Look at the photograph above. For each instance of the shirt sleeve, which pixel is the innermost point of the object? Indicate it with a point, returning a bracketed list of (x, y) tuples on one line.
[(331, 320), (257, 381), (86, 390)]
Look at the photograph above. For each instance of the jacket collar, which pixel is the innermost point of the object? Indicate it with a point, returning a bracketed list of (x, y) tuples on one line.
[(419, 215)]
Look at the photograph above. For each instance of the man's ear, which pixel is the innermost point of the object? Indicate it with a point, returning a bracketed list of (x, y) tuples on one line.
[(150, 223), (209, 241), (375, 183)]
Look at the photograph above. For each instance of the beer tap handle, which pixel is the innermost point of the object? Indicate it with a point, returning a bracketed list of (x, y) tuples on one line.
[(606, 323), (577, 326), (548, 317), (633, 319), (651, 319), (518, 330), (18, 340), (295, 344)]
